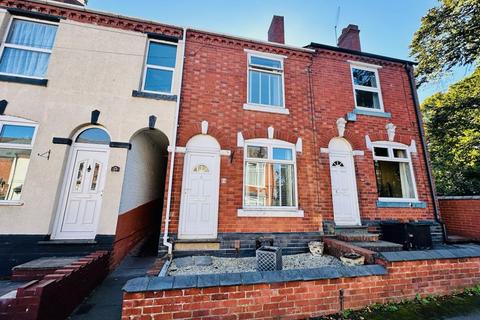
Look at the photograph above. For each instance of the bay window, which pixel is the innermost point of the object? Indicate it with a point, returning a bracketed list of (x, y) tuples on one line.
[(269, 175), (16, 141), (27, 48), (394, 173)]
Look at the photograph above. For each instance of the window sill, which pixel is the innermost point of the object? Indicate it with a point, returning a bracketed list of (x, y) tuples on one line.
[(11, 203), (401, 204), (352, 116), (24, 80), (254, 107), (275, 213), (155, 96)]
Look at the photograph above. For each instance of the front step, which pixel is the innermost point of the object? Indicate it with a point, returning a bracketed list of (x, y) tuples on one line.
[(379, 246), (197, 245), (358, 237)]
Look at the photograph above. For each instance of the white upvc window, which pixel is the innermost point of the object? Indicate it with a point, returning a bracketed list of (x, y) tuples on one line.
[(366, 87), (394, 172), (270, 175), (159, 69), (16, 142), (27, 47), (266, 82)]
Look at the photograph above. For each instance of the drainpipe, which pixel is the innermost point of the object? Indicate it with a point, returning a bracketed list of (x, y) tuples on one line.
[(418, 114), (173, 146)]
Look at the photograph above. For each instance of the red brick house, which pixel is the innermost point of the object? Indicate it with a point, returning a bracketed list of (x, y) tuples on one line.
[(291, 143)]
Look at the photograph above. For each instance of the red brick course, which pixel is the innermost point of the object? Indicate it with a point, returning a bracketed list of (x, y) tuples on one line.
[(59, 293), (303, 299), (461, 217)]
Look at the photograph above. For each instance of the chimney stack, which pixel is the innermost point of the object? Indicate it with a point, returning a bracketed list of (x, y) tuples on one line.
[(276, 32), (350, 38)]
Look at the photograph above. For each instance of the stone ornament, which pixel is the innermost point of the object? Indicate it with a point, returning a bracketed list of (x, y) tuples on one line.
[(316, 248), (391, 131), (341, 123), (204, 127)]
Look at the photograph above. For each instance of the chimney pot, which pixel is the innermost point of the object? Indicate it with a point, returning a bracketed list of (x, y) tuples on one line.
[(350, 38), (276, 32)]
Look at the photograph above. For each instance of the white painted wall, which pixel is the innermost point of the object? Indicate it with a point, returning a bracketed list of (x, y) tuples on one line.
[(145, 171), (91, 67)]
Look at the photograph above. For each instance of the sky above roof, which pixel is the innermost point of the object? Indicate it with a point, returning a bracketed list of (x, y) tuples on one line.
[(386, 26)]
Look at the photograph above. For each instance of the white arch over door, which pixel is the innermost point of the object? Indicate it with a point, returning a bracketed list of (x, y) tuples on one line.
[(81, 195), (344, 184), (200, 188)]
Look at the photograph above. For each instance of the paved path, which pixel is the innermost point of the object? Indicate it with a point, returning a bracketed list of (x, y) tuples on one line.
[(106, 300)]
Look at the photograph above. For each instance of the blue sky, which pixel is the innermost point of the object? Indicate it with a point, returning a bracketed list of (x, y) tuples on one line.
[(387, 26)]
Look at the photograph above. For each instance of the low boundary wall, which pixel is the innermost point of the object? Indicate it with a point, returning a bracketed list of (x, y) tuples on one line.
[(461, 215)]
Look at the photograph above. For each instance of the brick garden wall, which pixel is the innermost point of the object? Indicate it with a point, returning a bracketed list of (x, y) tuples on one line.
[(461, 216), (303, 299), (58, 293)]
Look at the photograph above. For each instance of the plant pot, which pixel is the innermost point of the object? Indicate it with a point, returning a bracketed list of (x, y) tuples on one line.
[(353, 259), (316, 248)]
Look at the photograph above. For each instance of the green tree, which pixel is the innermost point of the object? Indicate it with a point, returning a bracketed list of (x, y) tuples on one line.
[(449, 36), (452, 123)]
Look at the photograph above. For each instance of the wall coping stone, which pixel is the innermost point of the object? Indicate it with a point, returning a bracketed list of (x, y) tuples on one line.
[(454, 252), (458, 197), (146, 284)]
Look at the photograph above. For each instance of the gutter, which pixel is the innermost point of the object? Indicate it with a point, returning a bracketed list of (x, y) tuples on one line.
[(173, 147), (431, 183)]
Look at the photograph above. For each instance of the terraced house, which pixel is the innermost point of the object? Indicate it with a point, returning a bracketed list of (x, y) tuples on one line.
[(113, 128), (88, 106)]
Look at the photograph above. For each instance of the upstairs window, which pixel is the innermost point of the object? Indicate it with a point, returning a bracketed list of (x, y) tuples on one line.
[(366, 87), (16, 141), (270, 171), (265, 81), (27, 48), (159, 67), (393, 170)]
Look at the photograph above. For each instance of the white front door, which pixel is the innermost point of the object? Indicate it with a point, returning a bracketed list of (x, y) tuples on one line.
[(199, 204), (344, 189), (82, 199)]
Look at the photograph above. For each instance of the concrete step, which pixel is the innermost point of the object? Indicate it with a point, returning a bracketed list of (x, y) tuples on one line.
[(196, 245), (358, 237), (351, 229), (379, 246)]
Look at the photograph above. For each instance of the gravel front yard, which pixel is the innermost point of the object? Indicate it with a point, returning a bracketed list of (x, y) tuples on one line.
[(207, 265)]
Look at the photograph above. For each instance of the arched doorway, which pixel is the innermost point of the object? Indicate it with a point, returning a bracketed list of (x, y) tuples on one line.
[(200, 187), (81, 197), (344, 184), (143, 189)]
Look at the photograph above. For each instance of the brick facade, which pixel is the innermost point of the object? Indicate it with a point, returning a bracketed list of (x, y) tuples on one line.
[(318, 91), (304, 299), (461, 216)]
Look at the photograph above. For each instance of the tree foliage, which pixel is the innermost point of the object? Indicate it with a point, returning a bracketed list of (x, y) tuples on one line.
[(449, 36), (452, 123)]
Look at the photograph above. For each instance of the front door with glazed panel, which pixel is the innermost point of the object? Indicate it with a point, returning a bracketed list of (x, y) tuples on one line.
[(199, 210)]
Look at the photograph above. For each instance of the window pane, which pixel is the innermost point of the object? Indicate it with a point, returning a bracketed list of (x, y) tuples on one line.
[(282, 154), (255, 188), (254, 90), (158, 80), (276, 94), (160, 54), (24, 62), (257, 152), (394, 180), (94, 135), (364, 78), (381, 152), (13, 170), (367, 99), (264, 88), (32, 34), (283, 185), (16, 134), (265, 62), (400, 153)]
